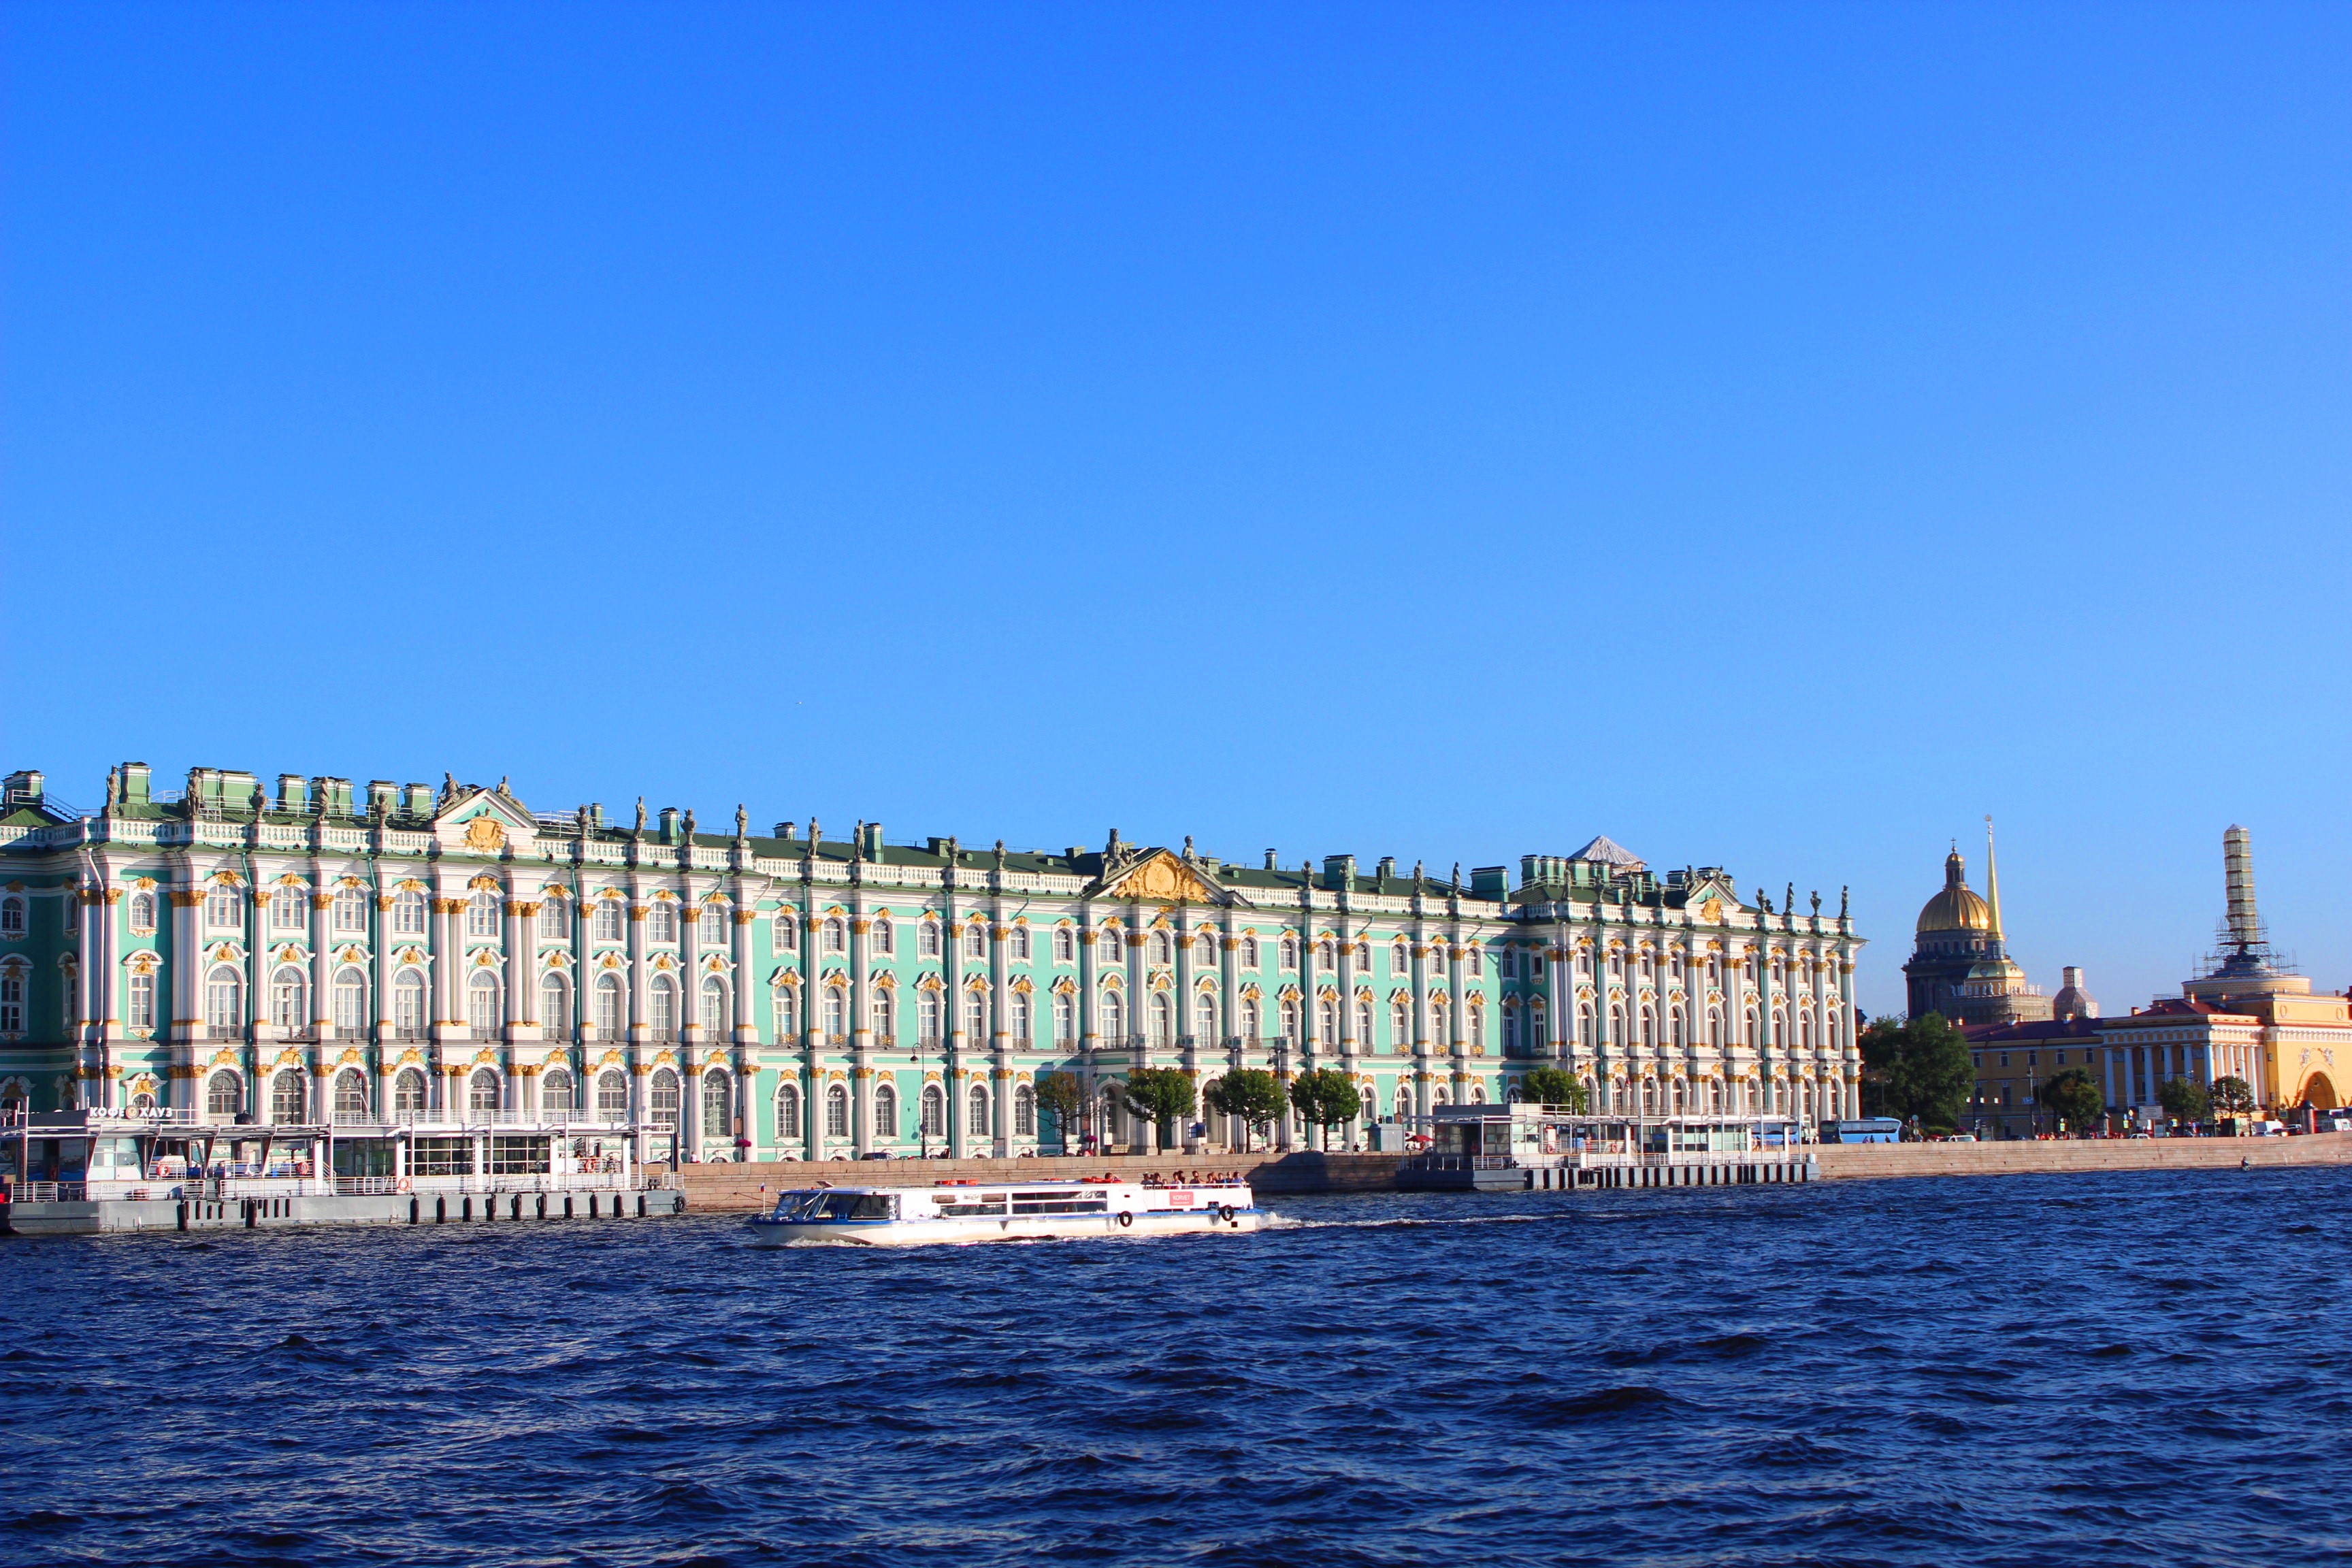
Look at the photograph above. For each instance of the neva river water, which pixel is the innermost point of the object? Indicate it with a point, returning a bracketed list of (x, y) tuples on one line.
[(2021, 1370)]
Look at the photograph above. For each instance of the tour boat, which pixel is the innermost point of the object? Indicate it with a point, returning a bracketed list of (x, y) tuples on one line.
[(1001, 1211)]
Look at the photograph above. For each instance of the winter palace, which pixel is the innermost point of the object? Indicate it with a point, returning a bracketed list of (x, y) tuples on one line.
[(394, 956)]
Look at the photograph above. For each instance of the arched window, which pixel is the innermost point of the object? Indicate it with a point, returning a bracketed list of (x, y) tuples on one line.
[(290, 1012), (1204, 1017), (611, 1018), (1290, 1021), (1437, 1020), (554, 1007), (1400, 1023), (885, 935), (1364, 1025), (662, 1097), (1020, 943), (1290, 952), (1437, 1096), (288, 1097), (555, 1095), (1714, 1028), (1024, 1112), (1250, 1020), (142, 912), (553, 925), (12, 914), (788, 940), (885, 1113), (927, 1016), (1114, 1016), (1510, 1029), (927, 938), (1207, 937), (836, 1112), (1399, 959), (1066, 1019), (408, 1092), (482, 1091), (1364, 961), (1161, 953), (837, 1012), (835, 934), (1249, 952), (885, 1015), (717, 1107), (482, 1004), (224, 908), (1326, 1021), (788, 1112), (608, 922), (661, 1007), (224, 1095), (1649, 1027), (1065, 945), (348, 911), (482, 913), (1675, 1017), (714, 1008), (934, 1112), (612, 1097), (143, 1001), (975, 941), (1020, 1019), (1477, 1020), (350, 1005), (711, 931), (661, 921), (1326, 954), (978, 1126), (788, 1011), (1539, 1026), (1403, 1103), (975, 1017), (225, 1002), (1163, 1019)]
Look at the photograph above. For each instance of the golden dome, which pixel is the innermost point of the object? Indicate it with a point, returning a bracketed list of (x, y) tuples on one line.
[(1956, 908)]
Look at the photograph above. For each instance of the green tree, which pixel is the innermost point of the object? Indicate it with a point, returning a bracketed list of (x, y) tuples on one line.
[(2232, 1096), (1252, 1094), (1062, 1096), (1554, 1085), (2184, 1098), (1881, 1044), (2075, 1099), (1916, 1069), (1159, 1096), (1326, 1098)]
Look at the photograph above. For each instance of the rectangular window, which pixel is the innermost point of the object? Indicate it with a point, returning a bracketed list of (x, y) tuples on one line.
[(350, 911), (442, 1157), (553, 925), (518, 1156), (142, 1002)]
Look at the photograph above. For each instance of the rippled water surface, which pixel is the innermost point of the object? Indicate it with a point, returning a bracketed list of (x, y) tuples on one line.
[(2016, 1369)]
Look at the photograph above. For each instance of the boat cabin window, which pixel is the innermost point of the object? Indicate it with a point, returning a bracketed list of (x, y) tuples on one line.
[(1060, 1203)]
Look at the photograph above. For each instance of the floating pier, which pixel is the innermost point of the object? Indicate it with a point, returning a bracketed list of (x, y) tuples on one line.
[(80, 1172), (1537, 1148)]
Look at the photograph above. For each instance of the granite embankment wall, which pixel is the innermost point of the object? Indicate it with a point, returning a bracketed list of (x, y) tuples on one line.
[(1845, 1161), (721, 1187)]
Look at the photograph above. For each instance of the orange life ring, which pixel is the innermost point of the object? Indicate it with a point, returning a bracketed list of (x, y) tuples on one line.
[(401, 1185)]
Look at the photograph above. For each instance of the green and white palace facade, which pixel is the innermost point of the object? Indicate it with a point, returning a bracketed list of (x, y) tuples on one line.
[(314, 953)]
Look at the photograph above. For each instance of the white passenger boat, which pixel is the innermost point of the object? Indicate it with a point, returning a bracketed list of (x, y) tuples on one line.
[(1001, 1211)]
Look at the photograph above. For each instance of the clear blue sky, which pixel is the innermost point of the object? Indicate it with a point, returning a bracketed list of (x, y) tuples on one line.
[(1771, 437)]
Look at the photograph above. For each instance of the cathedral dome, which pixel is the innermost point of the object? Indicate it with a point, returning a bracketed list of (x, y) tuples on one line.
[(1956, 908)]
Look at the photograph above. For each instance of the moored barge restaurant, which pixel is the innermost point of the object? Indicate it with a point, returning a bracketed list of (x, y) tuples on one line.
[(437, 983)]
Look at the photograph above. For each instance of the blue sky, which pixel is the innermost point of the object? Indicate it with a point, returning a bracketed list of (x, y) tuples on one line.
[(1771, 436)]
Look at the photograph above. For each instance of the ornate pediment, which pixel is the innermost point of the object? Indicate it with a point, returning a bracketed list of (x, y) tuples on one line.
[(1162, 876), (482, 822)]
